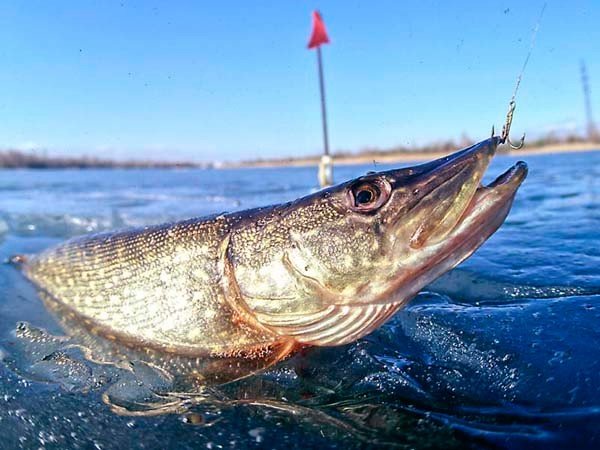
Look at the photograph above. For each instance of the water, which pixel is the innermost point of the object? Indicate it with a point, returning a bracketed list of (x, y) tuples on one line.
[(502, 352)]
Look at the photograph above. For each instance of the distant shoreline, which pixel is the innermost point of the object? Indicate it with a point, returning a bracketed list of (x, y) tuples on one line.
[(19, 160), (406, 156)]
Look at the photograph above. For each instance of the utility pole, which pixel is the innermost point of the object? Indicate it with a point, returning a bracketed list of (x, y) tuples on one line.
[(592, 133)]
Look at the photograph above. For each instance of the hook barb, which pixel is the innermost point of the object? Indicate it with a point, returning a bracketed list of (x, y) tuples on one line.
[(505, 137)]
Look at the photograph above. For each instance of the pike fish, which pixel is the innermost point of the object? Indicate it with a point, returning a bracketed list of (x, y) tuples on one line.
[(323, 270)]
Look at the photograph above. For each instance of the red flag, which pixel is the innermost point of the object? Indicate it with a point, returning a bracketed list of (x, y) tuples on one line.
[(319, 33)]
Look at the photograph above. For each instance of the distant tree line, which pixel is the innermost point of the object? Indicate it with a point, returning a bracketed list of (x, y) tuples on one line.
[(447, 146), (450, 145), (14, 159)]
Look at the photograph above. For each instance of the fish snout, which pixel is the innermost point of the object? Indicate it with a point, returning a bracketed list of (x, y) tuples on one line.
[(441, 191)]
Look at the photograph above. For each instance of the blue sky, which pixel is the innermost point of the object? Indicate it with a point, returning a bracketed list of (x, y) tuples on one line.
[(233, 79)]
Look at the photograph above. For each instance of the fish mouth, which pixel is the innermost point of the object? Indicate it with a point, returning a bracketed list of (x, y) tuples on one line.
[(447, 191), (455, 215)]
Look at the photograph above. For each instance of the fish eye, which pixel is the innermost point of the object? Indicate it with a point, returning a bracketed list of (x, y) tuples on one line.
[(367, 196)]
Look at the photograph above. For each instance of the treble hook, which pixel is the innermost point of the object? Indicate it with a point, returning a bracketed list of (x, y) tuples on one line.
[(505, 138)]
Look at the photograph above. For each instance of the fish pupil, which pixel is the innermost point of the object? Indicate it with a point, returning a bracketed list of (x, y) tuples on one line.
[(364, 196)]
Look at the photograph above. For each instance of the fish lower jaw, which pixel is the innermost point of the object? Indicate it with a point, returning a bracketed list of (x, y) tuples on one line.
[(487, 205), (492, 201), (486, 213)]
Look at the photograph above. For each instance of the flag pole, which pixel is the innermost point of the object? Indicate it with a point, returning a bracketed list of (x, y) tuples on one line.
[(319, 37), (326, 163), (323, 107)]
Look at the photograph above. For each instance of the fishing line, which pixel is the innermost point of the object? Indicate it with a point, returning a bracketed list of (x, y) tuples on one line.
[(512, 104), (531, 46)]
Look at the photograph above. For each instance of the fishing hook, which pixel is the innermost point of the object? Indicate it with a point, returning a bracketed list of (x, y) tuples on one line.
[(505, 138)]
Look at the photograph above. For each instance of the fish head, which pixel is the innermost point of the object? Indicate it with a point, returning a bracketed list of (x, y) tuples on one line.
[(351, 255)]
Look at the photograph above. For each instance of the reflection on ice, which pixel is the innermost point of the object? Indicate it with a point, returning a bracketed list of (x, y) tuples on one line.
[(468, 287)]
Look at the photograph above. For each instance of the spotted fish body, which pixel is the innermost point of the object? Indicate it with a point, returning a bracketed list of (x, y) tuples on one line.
[(157, 285), (323, 270)]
